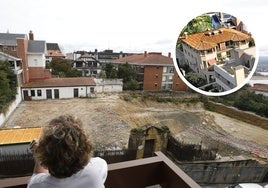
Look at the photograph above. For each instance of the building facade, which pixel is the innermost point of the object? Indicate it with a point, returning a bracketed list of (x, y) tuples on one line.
[(88, 65), (154, 71)]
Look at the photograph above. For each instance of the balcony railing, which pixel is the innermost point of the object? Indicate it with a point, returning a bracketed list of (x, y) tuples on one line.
[(158, 171)]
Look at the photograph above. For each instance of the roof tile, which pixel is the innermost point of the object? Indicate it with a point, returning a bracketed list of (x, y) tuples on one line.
[(61, 82), (207, 40), (152, 58)]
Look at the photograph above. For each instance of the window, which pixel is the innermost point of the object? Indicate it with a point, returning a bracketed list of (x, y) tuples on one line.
[(39, 92), (5, 49), (33, 93), (92, 90), (164, 69), (171, 70)]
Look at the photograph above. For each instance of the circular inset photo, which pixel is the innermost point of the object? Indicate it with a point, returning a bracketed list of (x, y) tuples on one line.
[(215, 54)]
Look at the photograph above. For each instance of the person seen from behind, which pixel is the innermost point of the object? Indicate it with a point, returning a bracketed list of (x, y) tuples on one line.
[(63, 157)]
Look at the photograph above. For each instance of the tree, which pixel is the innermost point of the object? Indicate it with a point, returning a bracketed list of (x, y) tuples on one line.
[(195, 79), (63, 68), (110, 71), (8, 84), (131, 85), (126, 72), (198, 24), (102, 74)]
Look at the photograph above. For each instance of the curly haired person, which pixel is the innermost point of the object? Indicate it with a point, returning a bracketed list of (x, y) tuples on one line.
[(63, 157)]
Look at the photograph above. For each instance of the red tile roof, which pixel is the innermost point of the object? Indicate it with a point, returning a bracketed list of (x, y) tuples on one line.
[(209, 39), (260, 87), (61, 82), (53, 53), (212, 61), (151, 58)]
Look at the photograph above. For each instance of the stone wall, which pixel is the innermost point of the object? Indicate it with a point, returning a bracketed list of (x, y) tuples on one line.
[(226, 171), (232, 112), (139, 136)]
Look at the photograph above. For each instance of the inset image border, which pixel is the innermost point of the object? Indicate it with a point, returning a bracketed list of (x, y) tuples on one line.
[(215, 54)]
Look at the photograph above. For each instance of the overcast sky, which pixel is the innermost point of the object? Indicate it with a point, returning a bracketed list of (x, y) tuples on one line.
[(121, 25)]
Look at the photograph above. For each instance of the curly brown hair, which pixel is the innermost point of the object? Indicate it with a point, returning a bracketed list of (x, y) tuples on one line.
[(64, 147)]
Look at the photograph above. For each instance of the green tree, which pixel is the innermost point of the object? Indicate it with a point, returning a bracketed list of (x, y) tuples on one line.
[(126, 72), (198, 24), (110, 71), (63, 68), (195, 79), (102, 74), (131, 85), (8, 84)]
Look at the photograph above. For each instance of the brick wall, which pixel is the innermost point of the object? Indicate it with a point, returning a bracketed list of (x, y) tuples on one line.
[(178, 84), (152, 78), (37, 73), (22, 46)]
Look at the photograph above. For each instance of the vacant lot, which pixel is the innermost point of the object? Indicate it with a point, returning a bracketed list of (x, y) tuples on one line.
[(109, 119)]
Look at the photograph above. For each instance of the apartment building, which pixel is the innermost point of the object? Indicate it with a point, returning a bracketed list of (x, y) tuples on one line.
[(154, 71)]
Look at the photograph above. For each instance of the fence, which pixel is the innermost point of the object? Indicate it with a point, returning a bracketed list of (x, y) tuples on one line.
[(21, 163), (189, 152), (16, 164)]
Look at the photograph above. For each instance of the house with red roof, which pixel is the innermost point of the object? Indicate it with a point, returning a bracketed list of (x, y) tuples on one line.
[(53, 51), (59, 88), (260, 89), (29, 57), (223, 56), (154, 71)]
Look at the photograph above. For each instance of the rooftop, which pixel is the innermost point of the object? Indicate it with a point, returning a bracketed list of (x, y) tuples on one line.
[(9, 39), (53, 46), (54, 53), (151, 58), (61, 82), (36, 46), (209, 39), (18, 135), (260, 87)]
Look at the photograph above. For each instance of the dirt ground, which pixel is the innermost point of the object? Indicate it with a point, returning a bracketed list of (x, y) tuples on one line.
[(108, 120)]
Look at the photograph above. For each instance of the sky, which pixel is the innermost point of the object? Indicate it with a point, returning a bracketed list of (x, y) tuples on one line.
[(123, 25)]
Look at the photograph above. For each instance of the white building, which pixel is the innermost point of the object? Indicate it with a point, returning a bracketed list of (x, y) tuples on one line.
[(59, 88), (64, 88)]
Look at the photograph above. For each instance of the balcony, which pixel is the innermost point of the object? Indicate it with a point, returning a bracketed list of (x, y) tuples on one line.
[(158, 171)]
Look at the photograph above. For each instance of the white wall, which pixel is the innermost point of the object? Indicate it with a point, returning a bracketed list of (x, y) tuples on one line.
[(64, 92), (36, 60), (109, 85)]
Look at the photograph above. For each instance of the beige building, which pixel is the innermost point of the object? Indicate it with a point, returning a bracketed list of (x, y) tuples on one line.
[(210, 52)]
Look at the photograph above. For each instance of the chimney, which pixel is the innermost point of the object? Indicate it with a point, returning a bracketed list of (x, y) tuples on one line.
[(31, 35), (185, 34), (169, 54), (145, 53)]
